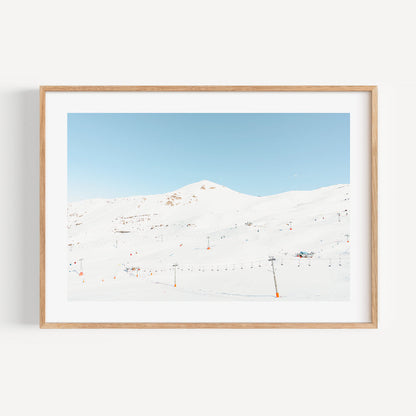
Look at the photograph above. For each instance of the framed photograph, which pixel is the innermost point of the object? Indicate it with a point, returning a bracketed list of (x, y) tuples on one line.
[(208, 207)]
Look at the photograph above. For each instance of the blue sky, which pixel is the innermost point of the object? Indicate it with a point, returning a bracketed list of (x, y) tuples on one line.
[(117, 155)]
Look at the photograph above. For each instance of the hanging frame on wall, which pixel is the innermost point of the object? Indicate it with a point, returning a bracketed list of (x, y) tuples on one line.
[(208, 206)]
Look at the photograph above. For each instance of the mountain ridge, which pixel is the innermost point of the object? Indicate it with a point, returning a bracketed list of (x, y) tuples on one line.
[(202, 186)]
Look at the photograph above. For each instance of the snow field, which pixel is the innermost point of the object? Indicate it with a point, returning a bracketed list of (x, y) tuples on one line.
[(221, 241)]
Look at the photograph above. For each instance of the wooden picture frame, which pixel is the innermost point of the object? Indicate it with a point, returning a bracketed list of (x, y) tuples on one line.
[(372, 90)]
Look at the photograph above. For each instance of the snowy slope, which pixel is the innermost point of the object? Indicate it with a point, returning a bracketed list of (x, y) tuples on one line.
[(109, 240)]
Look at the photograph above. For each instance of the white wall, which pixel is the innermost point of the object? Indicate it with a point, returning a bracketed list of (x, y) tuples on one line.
[(291, 372)]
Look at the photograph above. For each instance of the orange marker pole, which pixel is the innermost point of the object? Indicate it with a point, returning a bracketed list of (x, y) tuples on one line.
[(272, 260), (174, 274)]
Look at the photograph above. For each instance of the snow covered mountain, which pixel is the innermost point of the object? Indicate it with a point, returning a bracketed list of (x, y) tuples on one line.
[(220, 239)]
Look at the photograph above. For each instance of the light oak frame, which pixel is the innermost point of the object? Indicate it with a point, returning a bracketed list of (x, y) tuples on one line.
[(374, 227)]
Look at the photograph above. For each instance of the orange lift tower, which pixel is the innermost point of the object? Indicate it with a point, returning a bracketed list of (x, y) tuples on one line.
[(174, 274), (272, 260)]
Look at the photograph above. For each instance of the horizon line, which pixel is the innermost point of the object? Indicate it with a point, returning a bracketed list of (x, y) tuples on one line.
[(211, 182)]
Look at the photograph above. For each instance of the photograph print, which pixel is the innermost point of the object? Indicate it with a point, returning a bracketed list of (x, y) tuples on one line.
[(208, 207)]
